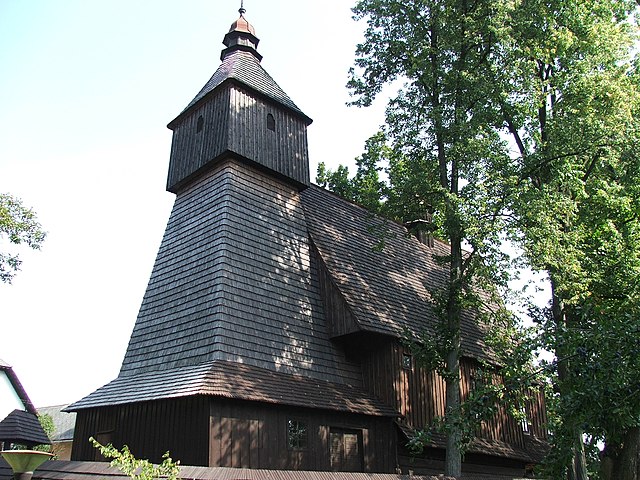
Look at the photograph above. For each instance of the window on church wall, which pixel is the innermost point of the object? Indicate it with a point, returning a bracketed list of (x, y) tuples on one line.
[(524, 423), (200, 124), (297, 436), (271, 122), (407, 361)]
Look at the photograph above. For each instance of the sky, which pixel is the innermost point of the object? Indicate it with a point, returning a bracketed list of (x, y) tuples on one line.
[(86, 91)]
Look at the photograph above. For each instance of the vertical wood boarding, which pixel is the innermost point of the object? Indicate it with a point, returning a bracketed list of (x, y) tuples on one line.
[(254, 435), (149, 429), (420, 395), (338, 316), (283, 150), (192, 150)]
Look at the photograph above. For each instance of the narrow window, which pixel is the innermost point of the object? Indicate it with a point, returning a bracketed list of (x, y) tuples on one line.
[(406, 361), (271, 122), (525, 420), (200, 124), (296, 434)]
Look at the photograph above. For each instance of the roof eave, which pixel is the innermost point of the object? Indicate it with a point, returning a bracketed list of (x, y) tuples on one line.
[(234, 81)]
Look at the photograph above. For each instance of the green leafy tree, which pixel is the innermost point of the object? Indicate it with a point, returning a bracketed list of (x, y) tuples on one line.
[(438, 131), (569, 102), (18, 224), (46, 421), (555, 77)]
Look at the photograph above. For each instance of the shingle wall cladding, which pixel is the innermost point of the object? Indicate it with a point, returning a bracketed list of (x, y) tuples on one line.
[(274, 312), (235, 280), (180, 317)]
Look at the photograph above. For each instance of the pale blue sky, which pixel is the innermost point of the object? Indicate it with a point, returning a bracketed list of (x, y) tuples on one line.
[(86, 90)]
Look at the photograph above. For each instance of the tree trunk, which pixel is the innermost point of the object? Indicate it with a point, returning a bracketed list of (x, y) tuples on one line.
[(577, 469), (453, 459), (622, 461), (580, 459)]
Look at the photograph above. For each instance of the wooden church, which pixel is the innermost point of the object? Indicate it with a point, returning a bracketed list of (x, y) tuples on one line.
[(270, 333)]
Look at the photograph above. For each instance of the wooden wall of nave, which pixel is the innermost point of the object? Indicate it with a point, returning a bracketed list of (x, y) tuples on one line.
[(150, 429), (419, 395), (212, 431), (254, 435)]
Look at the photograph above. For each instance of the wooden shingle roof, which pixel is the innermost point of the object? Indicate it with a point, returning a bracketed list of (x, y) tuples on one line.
[(245, 68), (387, 291), (234, 282), (533, 451), (234, 299), (235, 381)]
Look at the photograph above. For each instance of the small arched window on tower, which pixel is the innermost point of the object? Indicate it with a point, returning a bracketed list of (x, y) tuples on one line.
[(200, 124), (271, 122)]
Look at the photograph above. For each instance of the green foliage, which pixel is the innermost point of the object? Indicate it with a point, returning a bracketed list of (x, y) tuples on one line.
[(138, 469), (46, 421), (440, 153), (570, 104), (556, 78), (18, 225)]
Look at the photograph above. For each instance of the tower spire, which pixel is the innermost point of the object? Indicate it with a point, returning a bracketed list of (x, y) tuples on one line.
[(241, 36)]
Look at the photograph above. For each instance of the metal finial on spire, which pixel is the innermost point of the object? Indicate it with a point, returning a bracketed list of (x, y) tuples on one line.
[(242, 9)]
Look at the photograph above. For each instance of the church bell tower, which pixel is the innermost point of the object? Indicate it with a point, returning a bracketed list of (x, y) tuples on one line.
[(242, 113)]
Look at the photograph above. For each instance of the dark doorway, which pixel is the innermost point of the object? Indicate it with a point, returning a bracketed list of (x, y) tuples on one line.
[(346, 450)]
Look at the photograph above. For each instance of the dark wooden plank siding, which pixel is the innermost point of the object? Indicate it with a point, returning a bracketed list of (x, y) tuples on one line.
[(339, 319), (253, 435), (234, 120), (149, 429), (420, 395), (283, 150), (192, 150)]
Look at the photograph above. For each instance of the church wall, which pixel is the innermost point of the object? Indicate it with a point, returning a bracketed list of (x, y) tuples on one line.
[(255, 435), (278, 143), (150, 429), (211, 431), (391, 374), (199, 138)]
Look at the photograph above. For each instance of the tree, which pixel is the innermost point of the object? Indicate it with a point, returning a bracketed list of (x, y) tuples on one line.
[(18, 224), (439, 122), (569, 102), (46, 421), (554, 76)]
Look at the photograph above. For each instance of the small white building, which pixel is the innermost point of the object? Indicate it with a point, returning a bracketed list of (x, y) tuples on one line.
[(12, 393)]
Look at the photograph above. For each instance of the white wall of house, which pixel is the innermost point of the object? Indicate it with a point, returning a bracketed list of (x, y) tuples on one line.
[(9, 399)]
